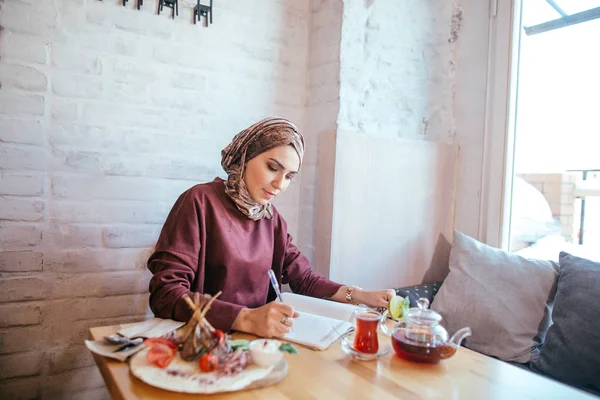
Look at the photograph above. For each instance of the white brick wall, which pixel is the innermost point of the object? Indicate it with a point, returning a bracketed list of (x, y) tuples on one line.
[(397, 75), (106, 115)]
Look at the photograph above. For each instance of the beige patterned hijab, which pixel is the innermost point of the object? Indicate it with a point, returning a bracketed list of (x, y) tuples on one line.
[(252, 141)]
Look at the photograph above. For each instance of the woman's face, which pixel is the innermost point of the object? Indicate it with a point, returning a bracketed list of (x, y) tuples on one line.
[(270, 173)]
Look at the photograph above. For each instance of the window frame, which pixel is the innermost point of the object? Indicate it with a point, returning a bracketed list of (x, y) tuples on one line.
[(500, 117)]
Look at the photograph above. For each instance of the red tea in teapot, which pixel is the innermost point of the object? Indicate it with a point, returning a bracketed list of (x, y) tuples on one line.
[(365, 339), (427, 350)]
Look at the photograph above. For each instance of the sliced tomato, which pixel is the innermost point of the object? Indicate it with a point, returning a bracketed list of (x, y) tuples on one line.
[(209, 362), (159, 357), (164, 362), (220, 336), (162, 351), (151, 342), (163, 347), (155, 354)]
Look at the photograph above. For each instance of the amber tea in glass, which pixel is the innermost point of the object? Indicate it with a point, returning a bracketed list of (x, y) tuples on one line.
[(365, 339)]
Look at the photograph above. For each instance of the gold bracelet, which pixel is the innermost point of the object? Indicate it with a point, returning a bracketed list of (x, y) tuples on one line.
[(349, 292)]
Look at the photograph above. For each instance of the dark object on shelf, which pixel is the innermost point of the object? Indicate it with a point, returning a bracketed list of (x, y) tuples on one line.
[(139, 3), (172, 4), (200, 10)]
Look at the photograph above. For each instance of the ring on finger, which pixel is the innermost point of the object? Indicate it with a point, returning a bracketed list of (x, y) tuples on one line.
[(284, 320)]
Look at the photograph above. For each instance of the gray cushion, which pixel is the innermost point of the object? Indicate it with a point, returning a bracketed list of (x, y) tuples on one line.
[(570, 351), (504, 298)]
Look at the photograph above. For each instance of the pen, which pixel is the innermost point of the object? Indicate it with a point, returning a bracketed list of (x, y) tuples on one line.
[(275, 285)]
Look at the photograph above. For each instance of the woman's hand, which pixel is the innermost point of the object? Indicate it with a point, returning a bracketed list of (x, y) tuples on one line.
[(271, 320), (373, 298)]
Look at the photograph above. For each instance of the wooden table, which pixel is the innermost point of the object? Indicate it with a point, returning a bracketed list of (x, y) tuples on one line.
[(331, 374)]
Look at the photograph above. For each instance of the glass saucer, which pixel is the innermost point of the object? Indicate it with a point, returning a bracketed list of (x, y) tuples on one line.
[(347, 344)]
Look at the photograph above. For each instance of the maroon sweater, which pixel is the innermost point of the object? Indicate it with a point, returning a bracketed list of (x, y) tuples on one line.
[(208, 245)]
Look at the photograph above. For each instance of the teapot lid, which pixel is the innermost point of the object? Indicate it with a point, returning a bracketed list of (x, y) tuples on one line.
[(422, 314)]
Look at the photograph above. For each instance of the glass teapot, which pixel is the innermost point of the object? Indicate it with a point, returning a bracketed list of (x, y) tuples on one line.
[(421, 338)]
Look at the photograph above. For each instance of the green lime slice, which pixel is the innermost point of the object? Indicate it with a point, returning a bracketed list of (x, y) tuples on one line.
[(396, 307)]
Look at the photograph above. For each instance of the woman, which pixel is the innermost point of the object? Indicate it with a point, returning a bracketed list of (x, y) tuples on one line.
[(226, 235)]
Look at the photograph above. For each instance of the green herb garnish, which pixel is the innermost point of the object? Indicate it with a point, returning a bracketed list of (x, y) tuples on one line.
[(288, 348), (239, 344)]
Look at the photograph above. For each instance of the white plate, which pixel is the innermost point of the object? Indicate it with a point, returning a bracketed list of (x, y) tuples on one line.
[(186, 377)]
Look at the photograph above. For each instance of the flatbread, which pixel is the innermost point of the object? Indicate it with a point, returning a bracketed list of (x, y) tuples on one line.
[(186, 376)]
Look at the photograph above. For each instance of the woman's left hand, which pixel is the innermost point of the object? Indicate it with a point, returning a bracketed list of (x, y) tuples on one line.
[(373, 298)]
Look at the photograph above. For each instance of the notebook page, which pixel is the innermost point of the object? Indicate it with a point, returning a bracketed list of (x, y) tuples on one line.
[(326, 308), (317, 331)]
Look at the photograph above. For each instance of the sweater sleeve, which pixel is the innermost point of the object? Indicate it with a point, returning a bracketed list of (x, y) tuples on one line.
[(176, 270), (303, 280)]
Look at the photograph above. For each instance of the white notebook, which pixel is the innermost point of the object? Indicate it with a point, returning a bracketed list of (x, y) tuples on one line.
[(321, 322)]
